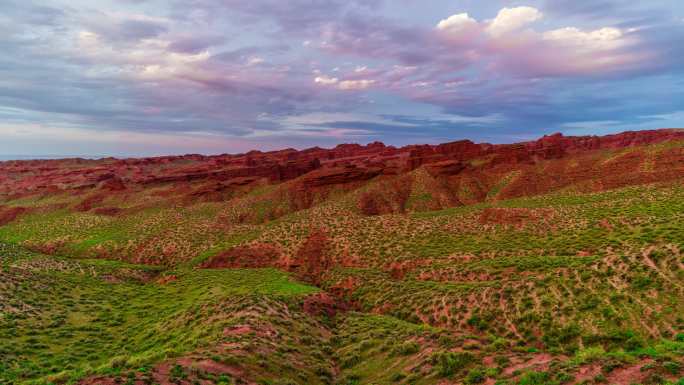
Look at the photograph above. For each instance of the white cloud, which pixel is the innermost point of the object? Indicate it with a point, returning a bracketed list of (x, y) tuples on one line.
[(604, 38), (147, 58), (356, 84), (325, 80), (513, 19), (515, 45), (458, 22), (360, 84), (255, 61)]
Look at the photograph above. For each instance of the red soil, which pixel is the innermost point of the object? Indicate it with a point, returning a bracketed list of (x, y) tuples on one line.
[(249, 256), (8, 214), (324, 304), (630, 374), (313, 257)]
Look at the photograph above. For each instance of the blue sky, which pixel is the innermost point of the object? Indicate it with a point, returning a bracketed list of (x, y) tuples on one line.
[(148, 77)]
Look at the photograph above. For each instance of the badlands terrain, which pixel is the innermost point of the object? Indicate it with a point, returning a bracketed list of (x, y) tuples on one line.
[(555, 261)]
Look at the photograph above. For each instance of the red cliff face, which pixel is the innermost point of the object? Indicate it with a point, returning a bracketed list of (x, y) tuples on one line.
[(215, 178)]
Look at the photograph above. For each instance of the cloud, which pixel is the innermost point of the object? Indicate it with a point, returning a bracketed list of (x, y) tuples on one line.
[(356, 84), (125, 27), (510, 20), (195, 44), (508, 43), (241, 70), (359, 84), (458, 23), (325, 80)]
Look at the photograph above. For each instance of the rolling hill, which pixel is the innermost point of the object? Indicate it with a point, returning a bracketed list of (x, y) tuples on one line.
[(555, 261)]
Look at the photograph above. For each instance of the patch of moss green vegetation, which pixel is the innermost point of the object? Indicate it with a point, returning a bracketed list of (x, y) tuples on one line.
[(65, 319), (582, 222)]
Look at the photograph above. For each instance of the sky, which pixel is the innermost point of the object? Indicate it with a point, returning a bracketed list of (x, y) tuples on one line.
[(152, 77)]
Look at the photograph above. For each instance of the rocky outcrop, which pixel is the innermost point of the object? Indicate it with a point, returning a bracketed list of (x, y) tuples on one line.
[(446, 168), (248, 256), (214, 177), (313, 257), (340, 175), (9, 214)]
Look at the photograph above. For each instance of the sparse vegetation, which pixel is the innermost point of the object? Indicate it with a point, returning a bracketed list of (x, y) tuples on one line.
[(405, 285)]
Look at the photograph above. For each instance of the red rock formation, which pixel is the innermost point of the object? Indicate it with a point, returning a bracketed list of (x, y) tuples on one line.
[(320, 304), (249, 256), (214, 177), (340, 175), (313, 257), (9, 214), (445, 168), (386, 198)]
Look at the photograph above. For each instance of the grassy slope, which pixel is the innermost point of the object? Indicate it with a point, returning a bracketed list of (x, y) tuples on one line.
[(596, 280), (64, 319)]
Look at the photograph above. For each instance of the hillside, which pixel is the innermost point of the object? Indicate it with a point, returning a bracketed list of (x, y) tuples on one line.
[(555, 261)]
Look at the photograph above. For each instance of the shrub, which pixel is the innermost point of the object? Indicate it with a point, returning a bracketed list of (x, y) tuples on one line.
[(502, 360), (634, 343), (177, 372), (588, 355), (118, 362), (534, 378), (672, 367), (642, 282), (561, 335), (351, 379), (407, 349), (500, 344), (476, 376), (450, 363), (447, 341), (350, 361)]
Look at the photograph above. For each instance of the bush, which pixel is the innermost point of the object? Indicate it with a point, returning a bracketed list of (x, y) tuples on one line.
[(500, 344), (589, 355), (534, 378), (672, 367), (557, 336), (351, 361), (450, 363), (447, 341), (476, 376), (177, 372), (502, 360), (634, 343), (407, 349), (352, 379), (118, 362)]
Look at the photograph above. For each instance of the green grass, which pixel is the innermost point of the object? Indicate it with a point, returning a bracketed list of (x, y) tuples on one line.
[(589, 278), (75, 319)]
